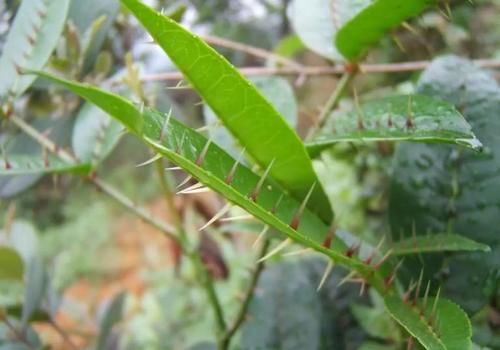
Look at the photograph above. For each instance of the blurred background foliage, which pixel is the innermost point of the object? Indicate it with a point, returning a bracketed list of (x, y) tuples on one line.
[(92, 250)]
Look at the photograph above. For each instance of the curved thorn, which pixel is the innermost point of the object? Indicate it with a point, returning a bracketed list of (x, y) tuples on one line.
[(276, 250), (217, 216), (230, 176), (238, 218), (149, 161), (190, 188), (261, 235), (173, 168), (203, 154), (299, 252), (347, 278), (185, 181), (165, 125)]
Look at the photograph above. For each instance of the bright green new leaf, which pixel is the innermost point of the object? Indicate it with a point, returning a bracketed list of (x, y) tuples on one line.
[(443, 242), (373, 22), (408, 118), (217, 170), (241, 107), (11, 264), (30, 42), (43, 164), (437, 326)]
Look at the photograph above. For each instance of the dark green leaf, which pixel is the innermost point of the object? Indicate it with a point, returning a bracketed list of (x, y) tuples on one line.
[(240, 106), (448, 328), (445, 242), (373, 22), (412, 118), (438, 188)]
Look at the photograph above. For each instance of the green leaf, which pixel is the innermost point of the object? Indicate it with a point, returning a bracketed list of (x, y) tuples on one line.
[(240, 106), (95, 134), (184, 146), (444, 242), (438, 188), (376, 322), (373, 22), (113, 315), (30, 42), (11, 265), (27, 164), (289, 46), (317, 22), (280, 94), (448, 328), (411, 118)]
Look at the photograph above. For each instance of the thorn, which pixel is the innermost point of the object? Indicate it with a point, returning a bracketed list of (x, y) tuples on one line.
[(149, 161), (238, 218), (230, 176), (276, 250), (353, 249), (185, 181), (217, 216), (359, 113), (347, 278), (31, 39), (419, 285), (196, 188), (369, 259), (426, 295), (434, 307), (409, 118), (261, 235), (327, 273), (165, 126), (362, 287), (181, 143), (203, 154), (389, 279), (206, 127), (275, 207), (383, 260), (407, 294), (258, 187), (296, 218), (173, 168), (299, 252), (330, 235)]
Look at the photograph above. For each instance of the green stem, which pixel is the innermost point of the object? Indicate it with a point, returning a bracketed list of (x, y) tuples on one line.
[(332, 102), (240, 316)]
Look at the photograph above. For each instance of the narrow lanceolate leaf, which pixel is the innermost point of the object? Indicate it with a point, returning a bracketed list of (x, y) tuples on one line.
[(11, 264), (210, 165), (438, 325), (28, 164), (317, 22), (249, 116), (34, 35), (444, 242), (373, 22), (398, 118)]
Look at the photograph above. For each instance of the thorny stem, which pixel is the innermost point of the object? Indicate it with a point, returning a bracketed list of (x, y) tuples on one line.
[(326, 70), (241, 315), (332, 102)]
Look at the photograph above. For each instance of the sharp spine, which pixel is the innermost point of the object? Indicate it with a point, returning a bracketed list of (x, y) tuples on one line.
[(326, 274), (276, 250), (203, 154), (149, 161), (230, 176), (165, 125), (223, 211), (294, 224), (261, 236)]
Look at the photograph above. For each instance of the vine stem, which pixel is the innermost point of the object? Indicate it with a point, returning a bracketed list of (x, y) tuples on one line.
[(174, 233), (326, 70), (254, 278)]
